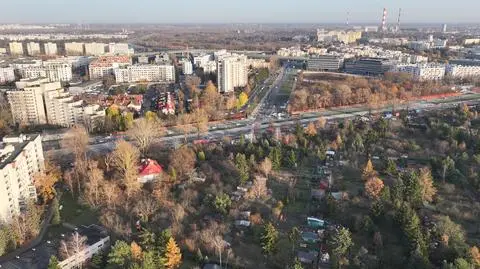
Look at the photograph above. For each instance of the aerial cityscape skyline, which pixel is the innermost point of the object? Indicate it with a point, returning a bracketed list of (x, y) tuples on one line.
[(239, 134), (249, 11)]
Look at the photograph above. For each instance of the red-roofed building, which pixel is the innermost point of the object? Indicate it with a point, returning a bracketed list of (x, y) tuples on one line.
[(149, 170)]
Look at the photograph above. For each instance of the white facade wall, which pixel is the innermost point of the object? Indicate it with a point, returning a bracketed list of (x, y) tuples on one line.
[(138, 73), (187, 67), (94, 49), (7, 74), (423, 71), (74, 48), (50, 49), (16, 48), (20, 159), (26, 102), (231, 72), (119, 49), (33, 48), (460, 71), (78, 259), (54, 71)]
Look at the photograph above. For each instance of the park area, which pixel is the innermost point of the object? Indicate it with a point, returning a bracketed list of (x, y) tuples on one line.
[(318, 91)]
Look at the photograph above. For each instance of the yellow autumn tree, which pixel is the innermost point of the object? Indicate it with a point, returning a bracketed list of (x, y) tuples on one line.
[(426, 181), (242, 100), (136, 251), (368, 171), (311, 130), (45, 182), (173, 256), (475, 255), (373, 187)]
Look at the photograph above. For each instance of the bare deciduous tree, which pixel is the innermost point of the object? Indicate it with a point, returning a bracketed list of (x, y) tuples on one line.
[(73, 245), (124, 159), (93, 186), (266, 166), (144, 132), (145, 207), (259, 188), (76, 140)]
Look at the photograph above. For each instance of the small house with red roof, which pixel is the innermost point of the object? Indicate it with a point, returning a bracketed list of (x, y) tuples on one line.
[(149, 169)]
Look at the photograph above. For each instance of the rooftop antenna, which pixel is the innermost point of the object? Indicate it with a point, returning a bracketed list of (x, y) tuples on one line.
[(384, 20)]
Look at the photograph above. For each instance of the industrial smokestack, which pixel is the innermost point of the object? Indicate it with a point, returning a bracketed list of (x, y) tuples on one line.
[(398, 21), (384, 20)]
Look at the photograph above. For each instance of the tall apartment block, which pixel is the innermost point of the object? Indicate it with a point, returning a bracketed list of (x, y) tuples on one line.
[(33, 48), (74, 48), (231, 72), (16, 48), (50, 49), (20, 159)]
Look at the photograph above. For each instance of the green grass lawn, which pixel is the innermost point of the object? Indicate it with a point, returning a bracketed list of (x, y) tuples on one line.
[(75, 213)]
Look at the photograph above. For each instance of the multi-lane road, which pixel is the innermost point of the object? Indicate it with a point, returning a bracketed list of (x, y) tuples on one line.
[(260, 119)]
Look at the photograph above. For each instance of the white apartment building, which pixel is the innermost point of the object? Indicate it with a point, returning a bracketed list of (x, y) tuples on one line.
[(257, 63), (461, 71), (57, 71), (50, 49), (201, 60), (231, 72), (74, 48), (16, 48), (7, 74), (210, 67), (33, 48), (187, 67), (60, 107), (145, 72), (119, 49), (20, 158), (79, 259), (26, 102), (94, 49), (105, 65), (3, 51), (41, 102), (423, 71), (54, 71)]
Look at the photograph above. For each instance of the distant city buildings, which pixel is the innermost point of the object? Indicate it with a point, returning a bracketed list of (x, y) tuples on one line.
[(54, 71), (50, 49), (346, 37), (423, 71), (145, 73), (368, 66), (74, 48), (187, 67), (33, 49), (324, 63), (231, 71), (16, 48), (94, 49), (106, 64), (471, 41), (257, 63), (291, 52), (119, 49), (7, 74), (20, 158), (462, 71)]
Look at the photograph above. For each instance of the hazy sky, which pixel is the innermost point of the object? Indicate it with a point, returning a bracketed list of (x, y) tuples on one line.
[(234, 11)]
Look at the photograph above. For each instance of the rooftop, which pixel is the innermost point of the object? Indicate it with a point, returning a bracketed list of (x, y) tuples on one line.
[(10, 150)]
